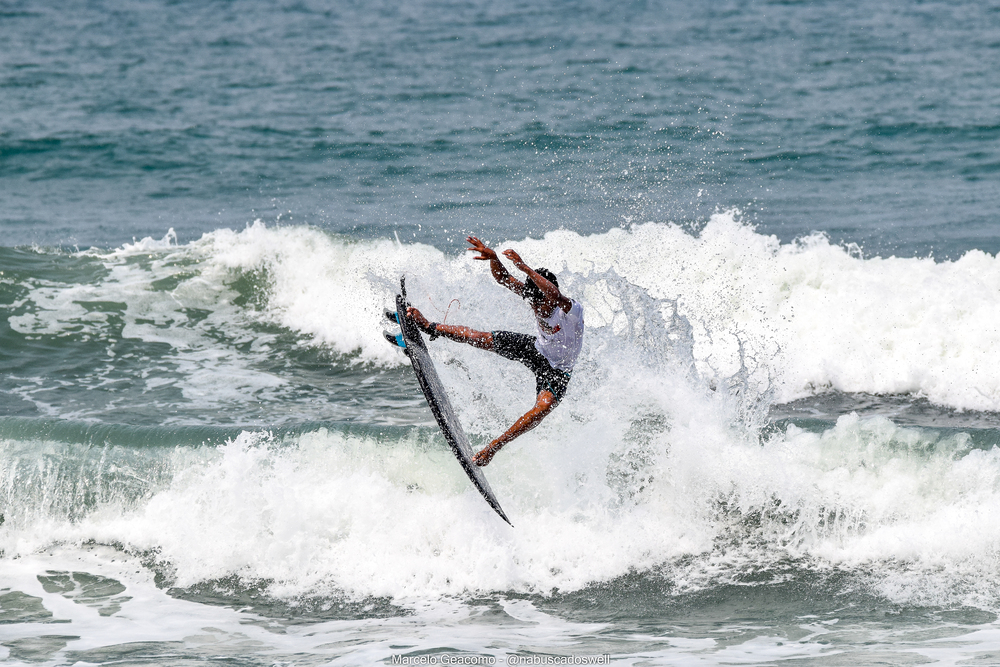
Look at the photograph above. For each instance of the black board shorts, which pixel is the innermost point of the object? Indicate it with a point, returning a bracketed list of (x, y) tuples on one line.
[(521, 347)]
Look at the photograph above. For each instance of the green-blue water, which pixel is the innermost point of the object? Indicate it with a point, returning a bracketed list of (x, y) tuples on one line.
[(780, 441)]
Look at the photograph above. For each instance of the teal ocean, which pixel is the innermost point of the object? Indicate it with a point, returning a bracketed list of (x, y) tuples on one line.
[(781, 443)]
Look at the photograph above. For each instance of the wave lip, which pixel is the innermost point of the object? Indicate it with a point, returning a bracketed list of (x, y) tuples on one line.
[(808, 316), (816, 316)]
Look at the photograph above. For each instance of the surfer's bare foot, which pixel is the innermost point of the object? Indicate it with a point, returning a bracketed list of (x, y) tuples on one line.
[(484, 457), (422, 322)]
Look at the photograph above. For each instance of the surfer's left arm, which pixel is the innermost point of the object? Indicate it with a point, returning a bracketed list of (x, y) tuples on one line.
[(500, 274), (543, 406)]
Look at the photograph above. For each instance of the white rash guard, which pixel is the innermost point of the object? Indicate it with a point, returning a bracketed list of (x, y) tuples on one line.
[(560, 337)]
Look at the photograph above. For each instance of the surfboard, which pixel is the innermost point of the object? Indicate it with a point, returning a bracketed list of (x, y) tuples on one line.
[(412, 343)]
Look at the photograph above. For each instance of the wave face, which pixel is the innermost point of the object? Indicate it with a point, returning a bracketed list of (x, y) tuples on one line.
[(282, 441)]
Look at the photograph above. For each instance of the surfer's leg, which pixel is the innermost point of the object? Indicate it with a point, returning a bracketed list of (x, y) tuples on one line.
[(521, 347), (514, 346), (481, 339), (543, 406)]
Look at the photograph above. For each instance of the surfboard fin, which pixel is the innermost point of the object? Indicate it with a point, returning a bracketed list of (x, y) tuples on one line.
[(395, 339), (393, 316)]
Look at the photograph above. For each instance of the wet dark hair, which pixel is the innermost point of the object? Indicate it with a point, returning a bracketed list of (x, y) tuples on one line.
[(532, 292)]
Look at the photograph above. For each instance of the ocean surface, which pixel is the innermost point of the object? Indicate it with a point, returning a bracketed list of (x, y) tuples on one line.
[(780, 443)]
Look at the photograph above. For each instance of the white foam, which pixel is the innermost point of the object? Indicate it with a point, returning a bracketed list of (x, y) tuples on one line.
[(156, 626), (591, 501), (641, 465), (808, 316)]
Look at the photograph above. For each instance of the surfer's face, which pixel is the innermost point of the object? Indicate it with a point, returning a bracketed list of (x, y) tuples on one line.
[(542, 306)]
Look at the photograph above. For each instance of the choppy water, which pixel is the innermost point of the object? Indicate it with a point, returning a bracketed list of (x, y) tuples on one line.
[(780, 443)]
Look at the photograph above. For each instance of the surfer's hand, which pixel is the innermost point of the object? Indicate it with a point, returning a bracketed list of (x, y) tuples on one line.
[(485, 252), (515, 258), (422, 322)]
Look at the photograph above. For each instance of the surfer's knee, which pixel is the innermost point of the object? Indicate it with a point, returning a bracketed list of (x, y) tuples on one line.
[(546, 401)]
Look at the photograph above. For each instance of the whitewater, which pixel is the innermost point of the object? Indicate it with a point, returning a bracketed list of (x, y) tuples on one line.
[(665, 462)]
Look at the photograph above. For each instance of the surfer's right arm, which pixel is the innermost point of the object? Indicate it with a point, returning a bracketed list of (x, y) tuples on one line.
[(500, 273)]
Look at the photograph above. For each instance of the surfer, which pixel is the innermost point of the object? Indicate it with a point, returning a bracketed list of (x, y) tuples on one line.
[(550, 355)]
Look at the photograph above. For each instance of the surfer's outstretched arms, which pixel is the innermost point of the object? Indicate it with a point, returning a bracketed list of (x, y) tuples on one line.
[(550, 355)]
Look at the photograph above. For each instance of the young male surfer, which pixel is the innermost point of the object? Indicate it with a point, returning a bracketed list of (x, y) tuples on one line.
[(550, 355)]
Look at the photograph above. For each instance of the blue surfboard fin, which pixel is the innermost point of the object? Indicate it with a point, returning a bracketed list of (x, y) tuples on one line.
[(395, 339)]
